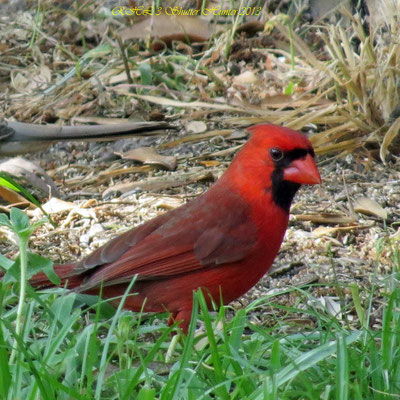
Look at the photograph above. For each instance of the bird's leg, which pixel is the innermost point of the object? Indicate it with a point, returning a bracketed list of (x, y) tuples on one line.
[(171, 318), (182, 317)]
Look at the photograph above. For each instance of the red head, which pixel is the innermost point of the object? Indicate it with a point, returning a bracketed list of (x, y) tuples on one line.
[(277, 159)]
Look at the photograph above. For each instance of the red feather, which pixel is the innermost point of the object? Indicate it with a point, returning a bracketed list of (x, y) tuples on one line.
[(223, 242)]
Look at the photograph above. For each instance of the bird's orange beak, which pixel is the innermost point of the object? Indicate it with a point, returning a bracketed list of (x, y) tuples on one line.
[(303, 171)]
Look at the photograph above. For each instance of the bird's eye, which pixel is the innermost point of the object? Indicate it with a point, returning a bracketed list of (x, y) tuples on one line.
[(276, 154)]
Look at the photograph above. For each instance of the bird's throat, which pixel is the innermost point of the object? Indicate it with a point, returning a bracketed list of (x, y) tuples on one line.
[(283, 191)]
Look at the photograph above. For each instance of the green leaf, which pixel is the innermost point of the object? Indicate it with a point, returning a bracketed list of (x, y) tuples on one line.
[(19, 220), (106, 310), (13, 272), (146, 74), (275, 356), (8, 183), (38, 264), (41, 222), (289, 89), (5, 262), (98, 52), (146, 393), (11, 184), (4, 220)]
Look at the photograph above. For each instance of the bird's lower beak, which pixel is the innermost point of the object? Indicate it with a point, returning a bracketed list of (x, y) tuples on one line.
[(303, 171)]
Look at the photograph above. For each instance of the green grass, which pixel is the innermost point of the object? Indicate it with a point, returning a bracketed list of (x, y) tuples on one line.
[(68, 352), (58, 344)]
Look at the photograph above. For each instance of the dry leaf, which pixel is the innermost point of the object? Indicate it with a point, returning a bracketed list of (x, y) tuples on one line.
[(13, 197), (390, 135), (246, 78), (324, 230), (54, 206), (325, 218), (239, 134), (167, 28), (284, 100), (251, 27), (196, 127), (367, 206), (332, 306), (166, 202), (148, 155), (19, 167), (28, 81)]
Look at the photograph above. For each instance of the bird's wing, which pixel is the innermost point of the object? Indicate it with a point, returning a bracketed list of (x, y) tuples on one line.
[(200, 234)]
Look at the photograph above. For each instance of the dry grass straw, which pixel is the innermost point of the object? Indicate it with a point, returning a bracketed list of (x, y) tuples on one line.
[(364, 70)]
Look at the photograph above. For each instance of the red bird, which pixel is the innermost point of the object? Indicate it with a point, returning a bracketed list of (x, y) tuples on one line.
[(224, 241)]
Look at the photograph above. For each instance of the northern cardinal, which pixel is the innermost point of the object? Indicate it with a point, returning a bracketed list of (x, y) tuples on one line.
[(224, 241)]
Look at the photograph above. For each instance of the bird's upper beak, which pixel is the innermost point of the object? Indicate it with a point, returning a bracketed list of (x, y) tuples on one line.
[(303, 171)]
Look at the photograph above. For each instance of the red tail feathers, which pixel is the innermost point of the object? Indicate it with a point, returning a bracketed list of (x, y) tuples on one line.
[(63, 271)]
